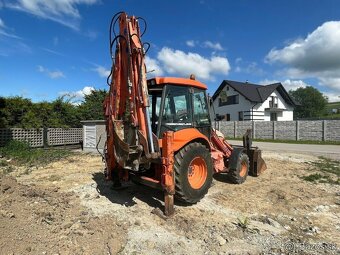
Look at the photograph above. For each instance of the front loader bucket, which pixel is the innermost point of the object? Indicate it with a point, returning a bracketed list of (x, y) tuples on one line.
[(257, 164)]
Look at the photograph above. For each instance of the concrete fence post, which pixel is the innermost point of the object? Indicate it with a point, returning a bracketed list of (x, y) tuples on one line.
[(274, 135), (297, 130), (45, 137), (235, 127), (324, 137), (253, 127)]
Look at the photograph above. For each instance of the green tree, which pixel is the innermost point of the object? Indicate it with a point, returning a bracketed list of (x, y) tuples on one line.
[(31, 120), (12, 110), (92, 107), (3, 120), (58, 113), (312, 103), (65, 114)]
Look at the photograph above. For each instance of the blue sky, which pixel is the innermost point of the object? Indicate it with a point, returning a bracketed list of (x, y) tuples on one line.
[(49, 48)]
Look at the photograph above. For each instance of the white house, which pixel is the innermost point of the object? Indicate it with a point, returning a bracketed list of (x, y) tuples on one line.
[(245, 101)]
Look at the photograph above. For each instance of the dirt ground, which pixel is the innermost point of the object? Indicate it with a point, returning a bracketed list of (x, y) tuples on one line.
[(68, 208)]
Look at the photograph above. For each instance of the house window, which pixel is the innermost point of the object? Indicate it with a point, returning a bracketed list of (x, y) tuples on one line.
[(273, 116), (240, 116), (227, 117), (273, 103), (230, 100)]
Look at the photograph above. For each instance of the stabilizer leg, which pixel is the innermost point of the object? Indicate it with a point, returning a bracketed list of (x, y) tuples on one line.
[(169, 208), (168, 178)]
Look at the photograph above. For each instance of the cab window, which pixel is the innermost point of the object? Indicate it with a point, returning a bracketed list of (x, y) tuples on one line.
[(176, 113), (200, 107)]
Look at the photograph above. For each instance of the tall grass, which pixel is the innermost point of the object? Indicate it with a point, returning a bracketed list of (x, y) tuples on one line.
[(21, 153)]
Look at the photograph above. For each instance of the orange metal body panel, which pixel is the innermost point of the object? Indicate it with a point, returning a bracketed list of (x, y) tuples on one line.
[(183, 137), (179, 81)]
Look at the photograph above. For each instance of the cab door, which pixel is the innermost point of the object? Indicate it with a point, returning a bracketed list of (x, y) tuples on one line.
[(176, 109), (201, 117)]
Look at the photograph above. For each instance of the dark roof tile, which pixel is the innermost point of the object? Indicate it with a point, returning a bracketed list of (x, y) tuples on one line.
[(254, 92)]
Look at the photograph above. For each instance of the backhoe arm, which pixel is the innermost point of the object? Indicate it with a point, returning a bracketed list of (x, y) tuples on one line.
[(129, 135)]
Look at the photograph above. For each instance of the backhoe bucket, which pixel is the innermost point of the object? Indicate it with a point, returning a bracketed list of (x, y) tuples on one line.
[(127, 156), (257, 164)]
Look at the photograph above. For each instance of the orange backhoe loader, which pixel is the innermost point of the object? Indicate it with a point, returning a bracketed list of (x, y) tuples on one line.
[(159, 131)]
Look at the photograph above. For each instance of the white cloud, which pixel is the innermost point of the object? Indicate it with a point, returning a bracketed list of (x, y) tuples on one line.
[(248, 67), (4, 31), (102, 71), (91, 34), (52, 51), (87, 90), (77, 96), (52, 74), (315, 56), (180, 63), (2, 24), (294, 84), (206, 44), (331, 81), (153, 66), (190, 43), (64, 12), (332, 96), (211, 45), (288, 84), (238, 60)]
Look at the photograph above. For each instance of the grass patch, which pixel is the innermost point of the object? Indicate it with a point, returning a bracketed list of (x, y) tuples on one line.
[(3, 163), (327, 171), (7, 169), (289, 141), (243, 223), (53, 178), (22, 154)]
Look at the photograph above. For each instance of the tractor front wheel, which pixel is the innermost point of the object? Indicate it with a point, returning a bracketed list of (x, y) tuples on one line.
[(239, 173), (193, 172)]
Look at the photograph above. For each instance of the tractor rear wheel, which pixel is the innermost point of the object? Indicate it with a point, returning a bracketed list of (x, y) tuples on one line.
[(239, 174), (193, 172)]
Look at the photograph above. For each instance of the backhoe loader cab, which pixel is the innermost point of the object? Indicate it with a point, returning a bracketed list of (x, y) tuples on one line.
[(177, 104)]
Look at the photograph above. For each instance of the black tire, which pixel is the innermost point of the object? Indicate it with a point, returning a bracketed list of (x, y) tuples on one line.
[(239, 174), (183, 158)]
